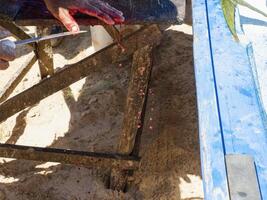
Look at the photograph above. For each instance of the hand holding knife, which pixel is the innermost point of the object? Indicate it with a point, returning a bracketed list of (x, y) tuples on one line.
[(8, 47)]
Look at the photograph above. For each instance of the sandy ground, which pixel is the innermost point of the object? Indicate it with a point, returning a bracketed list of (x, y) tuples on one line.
[(88, 116)]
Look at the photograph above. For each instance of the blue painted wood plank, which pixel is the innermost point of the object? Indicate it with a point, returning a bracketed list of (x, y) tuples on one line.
[(241, 115), (211, 142)]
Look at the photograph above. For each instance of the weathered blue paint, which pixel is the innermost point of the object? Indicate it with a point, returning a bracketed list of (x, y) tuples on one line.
[(238, 93), (212, 147)]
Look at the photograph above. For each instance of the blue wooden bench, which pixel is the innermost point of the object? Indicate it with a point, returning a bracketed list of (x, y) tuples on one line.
[(231, 99)]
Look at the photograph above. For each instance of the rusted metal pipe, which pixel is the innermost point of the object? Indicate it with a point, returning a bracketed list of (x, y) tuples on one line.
[(80, 158)]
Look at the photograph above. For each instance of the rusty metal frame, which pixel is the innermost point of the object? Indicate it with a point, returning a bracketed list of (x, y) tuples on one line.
[(137, 94), (134, 113), (72, 157), (73, 73), (140, 43), (44, 53), (18, 77)]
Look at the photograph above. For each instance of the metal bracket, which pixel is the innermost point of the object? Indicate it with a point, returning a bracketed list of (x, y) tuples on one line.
[(242, 178)]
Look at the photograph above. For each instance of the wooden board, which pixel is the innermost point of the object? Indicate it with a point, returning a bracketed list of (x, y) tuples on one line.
[(231, 95), (31, 12)]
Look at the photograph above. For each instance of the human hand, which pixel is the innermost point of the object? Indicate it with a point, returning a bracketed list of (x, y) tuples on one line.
[(64, 9), (7, 53)]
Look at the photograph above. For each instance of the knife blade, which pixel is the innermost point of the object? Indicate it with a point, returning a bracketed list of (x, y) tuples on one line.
[(48, 37)]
